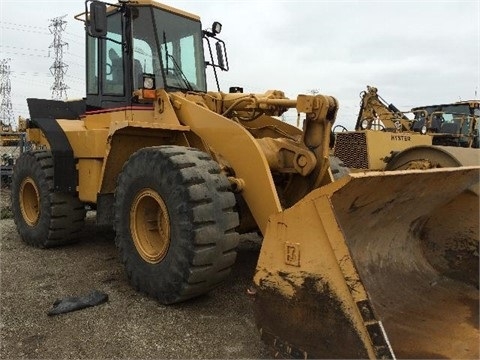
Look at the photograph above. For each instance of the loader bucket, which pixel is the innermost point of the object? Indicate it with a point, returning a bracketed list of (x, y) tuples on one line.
[(358, 269)]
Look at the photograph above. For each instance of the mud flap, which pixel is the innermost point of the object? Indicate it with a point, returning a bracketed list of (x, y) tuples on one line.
[(350, 272)]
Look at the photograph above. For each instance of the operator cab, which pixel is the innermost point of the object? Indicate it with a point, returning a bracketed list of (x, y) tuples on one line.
[(453, 124), (144, 45)]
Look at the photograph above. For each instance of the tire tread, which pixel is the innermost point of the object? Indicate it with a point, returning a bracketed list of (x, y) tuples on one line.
[(209, 219), (62, 215)]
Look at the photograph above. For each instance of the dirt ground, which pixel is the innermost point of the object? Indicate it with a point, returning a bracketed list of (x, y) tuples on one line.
[(130, 325)]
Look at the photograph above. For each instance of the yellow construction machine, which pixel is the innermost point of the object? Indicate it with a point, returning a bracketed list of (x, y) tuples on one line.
[(10, 137), (386, 138), (346, 268), (452, 124)]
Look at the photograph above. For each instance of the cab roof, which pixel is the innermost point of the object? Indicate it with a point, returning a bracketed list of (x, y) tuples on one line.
[(470, 103), (164, 7)]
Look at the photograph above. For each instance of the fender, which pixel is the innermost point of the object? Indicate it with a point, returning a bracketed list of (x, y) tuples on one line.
[(43, 115)]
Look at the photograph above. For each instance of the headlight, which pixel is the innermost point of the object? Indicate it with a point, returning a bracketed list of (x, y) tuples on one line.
[(364, 124), (423, 130)]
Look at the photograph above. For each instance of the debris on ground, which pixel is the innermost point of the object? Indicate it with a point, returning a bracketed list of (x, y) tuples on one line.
[(73, 303)]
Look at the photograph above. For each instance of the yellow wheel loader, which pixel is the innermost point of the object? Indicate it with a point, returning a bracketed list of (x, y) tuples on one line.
[(345, 268)]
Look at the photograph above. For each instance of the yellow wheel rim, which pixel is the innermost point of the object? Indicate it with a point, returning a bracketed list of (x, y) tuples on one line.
[(29, 201), (150, 226)]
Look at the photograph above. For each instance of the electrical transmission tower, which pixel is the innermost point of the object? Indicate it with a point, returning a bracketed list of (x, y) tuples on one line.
[(58, 68), (6, 113)]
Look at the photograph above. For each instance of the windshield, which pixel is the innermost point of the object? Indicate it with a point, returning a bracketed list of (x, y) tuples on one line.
[(449, 109), (449, 119), (170, 47)]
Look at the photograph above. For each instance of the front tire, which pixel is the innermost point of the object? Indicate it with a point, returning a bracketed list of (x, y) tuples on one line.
[(44, 218), (175, 220)]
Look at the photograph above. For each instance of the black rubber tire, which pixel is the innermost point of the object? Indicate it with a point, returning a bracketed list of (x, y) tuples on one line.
[(61, 216), (431, 157), (202, 217)]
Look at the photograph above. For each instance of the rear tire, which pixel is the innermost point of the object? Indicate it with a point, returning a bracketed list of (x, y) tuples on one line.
[(175, 220), (44, 218), (422, 157)]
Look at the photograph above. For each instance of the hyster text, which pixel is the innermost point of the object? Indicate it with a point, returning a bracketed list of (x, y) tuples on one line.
[(401, 138)]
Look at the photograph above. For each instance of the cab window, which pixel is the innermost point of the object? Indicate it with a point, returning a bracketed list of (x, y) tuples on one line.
[(113, 72)]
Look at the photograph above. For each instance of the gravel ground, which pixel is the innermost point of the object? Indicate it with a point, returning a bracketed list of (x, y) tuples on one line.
[(130, 325)]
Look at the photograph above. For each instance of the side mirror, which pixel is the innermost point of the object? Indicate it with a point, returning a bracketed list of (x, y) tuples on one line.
[(222, 59), (97, 19)]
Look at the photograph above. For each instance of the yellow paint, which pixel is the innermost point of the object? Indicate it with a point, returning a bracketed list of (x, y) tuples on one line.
[(380, 144), (89, 172), (86, 143), (343, 230), (168, 8), (242, 152), (36, 137), (150, 225), (312, 227)]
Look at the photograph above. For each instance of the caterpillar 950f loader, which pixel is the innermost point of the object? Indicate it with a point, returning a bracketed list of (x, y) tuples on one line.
[(345, 268)]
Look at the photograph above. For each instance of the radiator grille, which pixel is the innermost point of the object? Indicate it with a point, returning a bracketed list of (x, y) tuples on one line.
[(351, 148)]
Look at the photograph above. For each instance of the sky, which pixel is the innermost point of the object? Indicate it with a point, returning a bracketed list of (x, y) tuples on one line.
[(415, 52)]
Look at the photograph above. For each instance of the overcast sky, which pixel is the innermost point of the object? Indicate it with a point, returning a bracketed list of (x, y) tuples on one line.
[(415, 52)]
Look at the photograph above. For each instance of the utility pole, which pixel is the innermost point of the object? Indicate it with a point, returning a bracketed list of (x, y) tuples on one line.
[(6, 113), (58, 68)]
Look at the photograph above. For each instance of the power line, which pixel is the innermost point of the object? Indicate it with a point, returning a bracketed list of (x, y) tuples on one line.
[(75, 40), (24, 54), (30, 73), (29, 52), (76, 55), (23, 30), (21, 25), (38, 30), (21, 48), (75, 35)]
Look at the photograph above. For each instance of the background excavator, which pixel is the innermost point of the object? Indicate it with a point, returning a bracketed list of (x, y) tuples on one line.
[(346, 268)]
